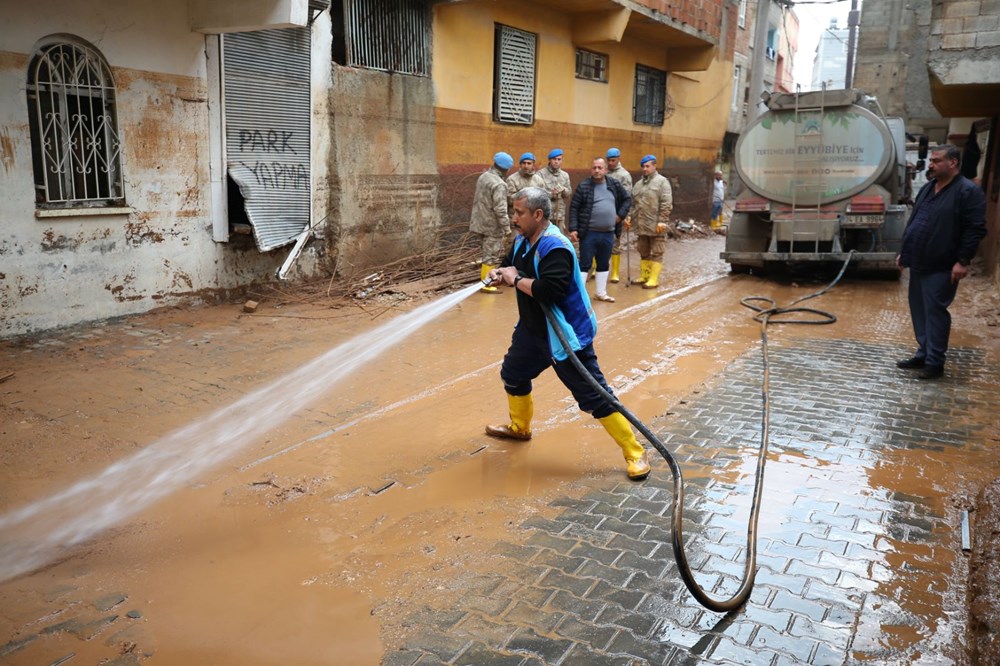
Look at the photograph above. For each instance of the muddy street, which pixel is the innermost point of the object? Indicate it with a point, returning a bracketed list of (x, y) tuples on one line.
[(365, 518)]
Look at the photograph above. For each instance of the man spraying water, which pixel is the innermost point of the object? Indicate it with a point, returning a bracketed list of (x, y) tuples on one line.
[(543, 269)]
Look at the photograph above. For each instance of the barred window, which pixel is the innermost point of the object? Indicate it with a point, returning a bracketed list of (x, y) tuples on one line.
[(650, 95), (387, 35), (75, 142), (514, 75), (591, 66)]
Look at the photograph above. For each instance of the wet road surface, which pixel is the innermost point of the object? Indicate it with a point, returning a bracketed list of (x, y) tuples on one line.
[(380, 525)]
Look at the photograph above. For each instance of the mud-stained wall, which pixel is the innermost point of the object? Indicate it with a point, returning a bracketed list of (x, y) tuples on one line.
[(584, 118), (59, 271), (383, 179), (891, 61)]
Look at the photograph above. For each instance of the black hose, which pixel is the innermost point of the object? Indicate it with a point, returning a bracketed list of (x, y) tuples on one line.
[(764, 316)]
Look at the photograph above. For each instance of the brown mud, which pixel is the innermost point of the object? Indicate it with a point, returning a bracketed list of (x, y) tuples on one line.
[(314, 543)]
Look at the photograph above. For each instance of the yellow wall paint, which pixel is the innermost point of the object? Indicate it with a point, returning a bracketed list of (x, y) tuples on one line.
[(589, 113), (463, 57)]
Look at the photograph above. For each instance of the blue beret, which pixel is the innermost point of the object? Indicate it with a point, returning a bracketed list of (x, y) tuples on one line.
[(503, 160), (555, 152), (527, 156), (614, 152), (647, 158)]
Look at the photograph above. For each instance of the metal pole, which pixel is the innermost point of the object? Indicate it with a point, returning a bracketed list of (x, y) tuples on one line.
[(852, 28)]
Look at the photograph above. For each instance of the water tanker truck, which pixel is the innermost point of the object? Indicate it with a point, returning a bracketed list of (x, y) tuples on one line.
[(825, 173)]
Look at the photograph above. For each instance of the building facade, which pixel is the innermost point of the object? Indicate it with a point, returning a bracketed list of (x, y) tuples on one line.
[(889, 35), (114, 179), (963, 63), (830, 63), (937, 65), (582, 76), (776, 62), (160, 153)]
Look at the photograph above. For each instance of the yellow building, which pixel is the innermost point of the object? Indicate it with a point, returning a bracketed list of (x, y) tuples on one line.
[(581, 75)]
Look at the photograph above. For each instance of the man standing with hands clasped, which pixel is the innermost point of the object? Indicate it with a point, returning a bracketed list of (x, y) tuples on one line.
[(525, 176), (489, 221), (621, 174), (595, 219), (542, 267), (558, 185), (650, 214), (941, 239)]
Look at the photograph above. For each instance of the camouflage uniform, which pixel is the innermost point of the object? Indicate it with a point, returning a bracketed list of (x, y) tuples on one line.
[(557, 179), (517, 182), (490, 219), (622, 175), (652, 201)]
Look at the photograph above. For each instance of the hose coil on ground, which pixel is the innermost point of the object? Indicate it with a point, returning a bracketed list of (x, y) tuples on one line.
[(767, 311)]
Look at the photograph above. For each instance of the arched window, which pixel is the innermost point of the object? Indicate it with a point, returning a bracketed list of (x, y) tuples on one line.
[(75, 143)]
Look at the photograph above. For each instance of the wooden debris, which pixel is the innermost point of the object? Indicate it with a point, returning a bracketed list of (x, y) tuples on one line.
[(450, 263)]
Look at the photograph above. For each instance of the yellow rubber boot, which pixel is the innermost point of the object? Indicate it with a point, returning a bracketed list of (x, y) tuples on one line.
[(482, 276), (635, 455), (653, 281), (593, 268), (643, 272), (522, 408), (616, 260)]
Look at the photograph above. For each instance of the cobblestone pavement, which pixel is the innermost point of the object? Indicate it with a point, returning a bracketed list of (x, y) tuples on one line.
[(858, 553)]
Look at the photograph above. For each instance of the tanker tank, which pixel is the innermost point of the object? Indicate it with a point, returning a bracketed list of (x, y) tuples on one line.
[(825, 174)]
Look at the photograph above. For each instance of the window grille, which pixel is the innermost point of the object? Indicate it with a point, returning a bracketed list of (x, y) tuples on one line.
[(388, 35), (591, 66), (75, 143), (650, 95), (514, 76)]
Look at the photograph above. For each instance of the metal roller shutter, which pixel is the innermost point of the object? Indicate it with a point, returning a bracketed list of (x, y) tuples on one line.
[(267, 110)]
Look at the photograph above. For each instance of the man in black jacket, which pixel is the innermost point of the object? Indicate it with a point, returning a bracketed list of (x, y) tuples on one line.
[(941, 239), (595, 219)]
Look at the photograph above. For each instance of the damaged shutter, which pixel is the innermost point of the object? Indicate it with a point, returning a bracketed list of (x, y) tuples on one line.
[(266, 93)]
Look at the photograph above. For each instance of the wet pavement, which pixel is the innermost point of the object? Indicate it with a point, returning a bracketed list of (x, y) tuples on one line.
[(858, 549), (378, 525)]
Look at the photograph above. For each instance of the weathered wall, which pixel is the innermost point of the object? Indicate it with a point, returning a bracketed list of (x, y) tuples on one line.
[(584, 118), (891, 62), (742, 42), (702, 15), (383, 180), (59, 271)]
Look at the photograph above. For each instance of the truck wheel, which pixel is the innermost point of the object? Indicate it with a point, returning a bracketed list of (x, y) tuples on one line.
[(739, 269)]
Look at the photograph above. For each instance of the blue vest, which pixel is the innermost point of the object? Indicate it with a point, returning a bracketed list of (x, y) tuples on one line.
[(573, 313)]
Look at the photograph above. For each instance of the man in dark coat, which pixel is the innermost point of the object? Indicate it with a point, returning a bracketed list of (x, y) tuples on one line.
[(595, 219), (941, 239)]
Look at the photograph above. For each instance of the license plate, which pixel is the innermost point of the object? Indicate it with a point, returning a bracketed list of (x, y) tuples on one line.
[(863, 221)]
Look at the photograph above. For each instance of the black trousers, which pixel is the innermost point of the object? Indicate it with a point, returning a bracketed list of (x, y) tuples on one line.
[(930, 295), (529, 355)]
